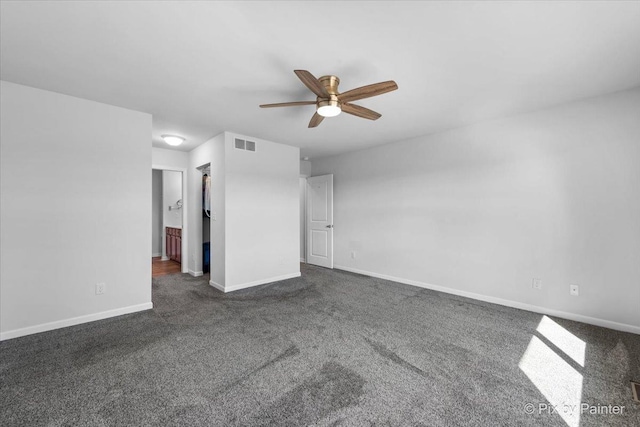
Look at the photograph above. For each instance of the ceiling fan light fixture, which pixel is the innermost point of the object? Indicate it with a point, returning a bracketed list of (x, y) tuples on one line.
[(330, 102), (329, 108), (173, 140)]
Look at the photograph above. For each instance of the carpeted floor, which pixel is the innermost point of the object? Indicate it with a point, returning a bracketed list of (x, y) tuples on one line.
[(331, 349)]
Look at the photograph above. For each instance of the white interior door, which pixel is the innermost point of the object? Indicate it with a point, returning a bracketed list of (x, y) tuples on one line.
[(320, 220)]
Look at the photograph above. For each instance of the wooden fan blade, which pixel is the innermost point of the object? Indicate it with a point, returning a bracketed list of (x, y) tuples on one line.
[(368, 91), (315, 120), (312, 83), (288, 104), (359, 111)]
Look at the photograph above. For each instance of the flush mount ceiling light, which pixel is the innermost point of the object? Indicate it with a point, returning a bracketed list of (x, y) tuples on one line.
[(330, 102), (173, 140)]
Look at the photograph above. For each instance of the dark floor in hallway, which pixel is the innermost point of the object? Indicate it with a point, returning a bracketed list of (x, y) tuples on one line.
[(163, 268)]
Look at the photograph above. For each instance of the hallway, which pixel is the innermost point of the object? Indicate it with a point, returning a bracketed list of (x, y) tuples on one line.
[(163, 268)]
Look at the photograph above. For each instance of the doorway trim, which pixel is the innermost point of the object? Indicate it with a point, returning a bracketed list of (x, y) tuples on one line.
[(303, 217), (303, 213), (184, 264)]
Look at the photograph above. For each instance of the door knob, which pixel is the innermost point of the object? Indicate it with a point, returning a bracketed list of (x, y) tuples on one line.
[(330, 226)]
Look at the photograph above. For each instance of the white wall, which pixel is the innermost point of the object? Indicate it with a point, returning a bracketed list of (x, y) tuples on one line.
[(75, 205), (217, 222), (305, 168), (483, 209), (156, 213), (262, 213), (254, 212), (163, 158), (171, 193)]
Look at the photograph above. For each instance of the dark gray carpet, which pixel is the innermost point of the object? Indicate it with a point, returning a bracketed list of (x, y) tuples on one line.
[(330, 348)]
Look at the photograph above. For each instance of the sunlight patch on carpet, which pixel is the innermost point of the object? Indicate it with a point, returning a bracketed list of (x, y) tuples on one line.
[(558, 381)]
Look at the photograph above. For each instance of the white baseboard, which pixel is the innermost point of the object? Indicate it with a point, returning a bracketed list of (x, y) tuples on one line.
[(508, 303), (254, 283), (74, 321), (196, 273), (156, 255), (218, 286), (303, 260), (164, 258)]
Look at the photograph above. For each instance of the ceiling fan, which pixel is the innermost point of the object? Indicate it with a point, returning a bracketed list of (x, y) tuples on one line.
[(330, 102)]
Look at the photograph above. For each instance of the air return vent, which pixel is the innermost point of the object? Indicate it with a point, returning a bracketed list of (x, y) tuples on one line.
[(241, 144)]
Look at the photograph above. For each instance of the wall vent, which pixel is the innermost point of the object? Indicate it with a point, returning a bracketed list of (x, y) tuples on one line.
[(241, 144)]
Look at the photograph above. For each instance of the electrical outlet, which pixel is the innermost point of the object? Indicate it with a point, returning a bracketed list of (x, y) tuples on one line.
[(101, 288), (536, 284), (353, 255), (574, 290)]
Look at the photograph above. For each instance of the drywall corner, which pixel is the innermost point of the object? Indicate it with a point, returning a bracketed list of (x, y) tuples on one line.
[(262, 212), (209, 153)]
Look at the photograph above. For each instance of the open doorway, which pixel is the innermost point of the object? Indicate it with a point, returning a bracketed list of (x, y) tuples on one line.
[(168, 255), (206, 219), (303, 218), (305, 172)]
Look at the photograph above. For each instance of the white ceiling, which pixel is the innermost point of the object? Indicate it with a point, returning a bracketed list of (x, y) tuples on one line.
[(201, 67)]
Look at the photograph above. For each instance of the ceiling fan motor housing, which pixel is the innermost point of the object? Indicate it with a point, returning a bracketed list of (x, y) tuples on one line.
[(330, 83)]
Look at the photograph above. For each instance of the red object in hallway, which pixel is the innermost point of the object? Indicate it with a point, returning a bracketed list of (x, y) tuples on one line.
[(174, 243)]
